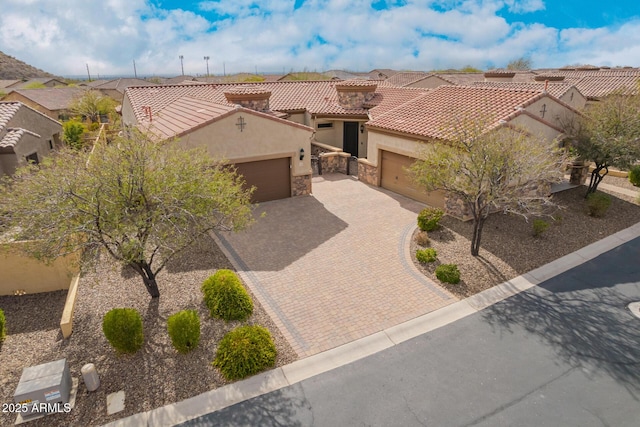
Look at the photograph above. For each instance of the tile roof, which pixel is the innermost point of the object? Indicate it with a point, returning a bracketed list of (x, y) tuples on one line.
[(406, 78), (12, 137), (388, 97), (52, 99), (598, 86), (121, 84), (556, 89), (7, 111), (7, 83), (430, 114)]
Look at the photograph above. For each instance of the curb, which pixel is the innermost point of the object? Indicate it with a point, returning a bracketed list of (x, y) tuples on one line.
[(300, 370)]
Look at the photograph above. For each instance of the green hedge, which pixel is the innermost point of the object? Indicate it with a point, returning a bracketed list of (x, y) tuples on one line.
[(3, 326), (184, 330), (123, 329), (634, 175), (245, 351), (429, 219), (225, 296), (426, 255), (448, 273)]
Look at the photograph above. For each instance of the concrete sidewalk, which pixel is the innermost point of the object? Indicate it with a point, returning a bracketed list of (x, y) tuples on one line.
[(305, 368)]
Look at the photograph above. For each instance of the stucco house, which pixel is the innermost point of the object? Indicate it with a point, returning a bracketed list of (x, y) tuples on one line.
[(396, 135), (53, 102), (25, 135), (115, 88), (273, 154)]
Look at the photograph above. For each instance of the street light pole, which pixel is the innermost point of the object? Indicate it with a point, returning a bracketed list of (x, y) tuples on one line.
[(181, 63), (206, 58)]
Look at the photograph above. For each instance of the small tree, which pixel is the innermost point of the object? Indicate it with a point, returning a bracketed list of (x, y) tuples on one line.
[(72, 132), (520, 64), (90, 105), (502, 169), (140, 200), (607, 134)]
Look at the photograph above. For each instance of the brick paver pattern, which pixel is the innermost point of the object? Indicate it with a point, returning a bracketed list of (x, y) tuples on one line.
[(334, 267)]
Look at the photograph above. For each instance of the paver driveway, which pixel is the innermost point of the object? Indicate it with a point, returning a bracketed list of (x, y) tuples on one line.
[(334, 267)]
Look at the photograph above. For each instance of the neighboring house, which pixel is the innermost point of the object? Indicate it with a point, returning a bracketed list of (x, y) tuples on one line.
[(115, 88), (271, 153), (564, 91), (25, 135), (381, 73), (92, 83), (54, 102), (395, 136)]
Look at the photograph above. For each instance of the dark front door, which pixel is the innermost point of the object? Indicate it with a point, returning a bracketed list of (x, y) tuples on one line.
[(350, 138)]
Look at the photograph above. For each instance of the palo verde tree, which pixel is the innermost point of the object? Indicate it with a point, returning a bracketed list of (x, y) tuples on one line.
[(607, 134), (498, 169), (91, 104), (140, 200)]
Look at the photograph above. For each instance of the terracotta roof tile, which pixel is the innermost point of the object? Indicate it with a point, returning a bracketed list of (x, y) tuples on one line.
[(430, 114), (598, 86), (406, 78), (52, 99), (12, 137), (556, 89), (7, 111)]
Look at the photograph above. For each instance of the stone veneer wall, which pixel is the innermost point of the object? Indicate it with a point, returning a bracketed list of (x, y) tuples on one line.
[(579, 174), (301, 185), (367, 173), (355, 99), (255, 104), (334, 162)]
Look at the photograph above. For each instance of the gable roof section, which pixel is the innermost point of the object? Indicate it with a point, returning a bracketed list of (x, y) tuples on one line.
[(406, 78), (12, 138), (388, 98), (594, 87), (52, 98), (8, 83), (121, 84), (187, 114), (556, 89), (430, 115), (7, 111)]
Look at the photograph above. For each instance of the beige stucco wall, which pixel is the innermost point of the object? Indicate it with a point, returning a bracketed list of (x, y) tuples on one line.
[(15, 96), (261, 139), (555, 113), (574, 98), (334, 136), (395, 143), (535, 128), (19, 272)]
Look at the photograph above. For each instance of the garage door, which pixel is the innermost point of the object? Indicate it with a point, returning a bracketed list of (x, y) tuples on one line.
[(272, 178), (394, 177)]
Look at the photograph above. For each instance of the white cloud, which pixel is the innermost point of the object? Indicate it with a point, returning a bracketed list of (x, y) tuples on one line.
[(271, 36)]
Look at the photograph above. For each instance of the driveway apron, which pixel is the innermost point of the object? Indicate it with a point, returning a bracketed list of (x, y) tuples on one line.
[(335, 266)]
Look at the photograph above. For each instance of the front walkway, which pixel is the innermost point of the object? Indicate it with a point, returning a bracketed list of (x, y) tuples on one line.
[(334, 267)]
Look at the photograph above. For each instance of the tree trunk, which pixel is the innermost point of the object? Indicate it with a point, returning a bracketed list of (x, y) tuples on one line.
[(149, 279), (596, 178), (478, 223)]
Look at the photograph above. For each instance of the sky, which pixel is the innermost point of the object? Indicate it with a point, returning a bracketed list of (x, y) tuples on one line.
[(63, 37)]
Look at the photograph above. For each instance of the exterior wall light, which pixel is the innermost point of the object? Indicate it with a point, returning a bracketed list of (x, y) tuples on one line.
[(301, 153), (361, 128)]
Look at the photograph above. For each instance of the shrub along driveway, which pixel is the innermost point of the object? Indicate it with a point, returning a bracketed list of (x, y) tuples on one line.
[(334, 267)]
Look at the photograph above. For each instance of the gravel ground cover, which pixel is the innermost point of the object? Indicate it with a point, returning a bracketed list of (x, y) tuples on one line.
[(508, 247), (155, 376)]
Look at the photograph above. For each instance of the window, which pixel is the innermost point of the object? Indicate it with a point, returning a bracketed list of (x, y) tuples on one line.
[(50, 145), (325, 125), (32, 158)]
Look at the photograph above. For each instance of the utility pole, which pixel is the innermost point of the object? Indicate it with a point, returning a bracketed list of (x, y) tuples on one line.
[(88, 73), (224, 69), (206, 58), (135, 73), (181, 63)]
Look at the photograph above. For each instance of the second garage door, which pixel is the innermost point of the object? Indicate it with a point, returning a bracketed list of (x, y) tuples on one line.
[(272, 178), (394, 177)]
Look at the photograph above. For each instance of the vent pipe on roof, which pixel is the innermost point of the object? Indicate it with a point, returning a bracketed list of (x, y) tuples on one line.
[(546, 85)]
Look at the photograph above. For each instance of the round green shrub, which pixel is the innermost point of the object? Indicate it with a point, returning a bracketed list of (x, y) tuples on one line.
[(448, 273), (245, 351), (184, 330), (426, 255), (3, 326), (123, 329), (598, 204), (539, 227), (225, 296), (429, 218), (634, 175), (422, 238)]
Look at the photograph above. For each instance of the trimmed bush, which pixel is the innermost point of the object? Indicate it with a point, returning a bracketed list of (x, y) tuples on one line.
[(245, 351), (184, 330), (598, 204), (539, 226), (3, 326), (123, 329), (422, 238), (448, 273), (426, 255), (429, 219), (225, 296), (634, 175)]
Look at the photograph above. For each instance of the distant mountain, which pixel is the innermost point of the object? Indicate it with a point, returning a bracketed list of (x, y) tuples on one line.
[(14, 69)]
